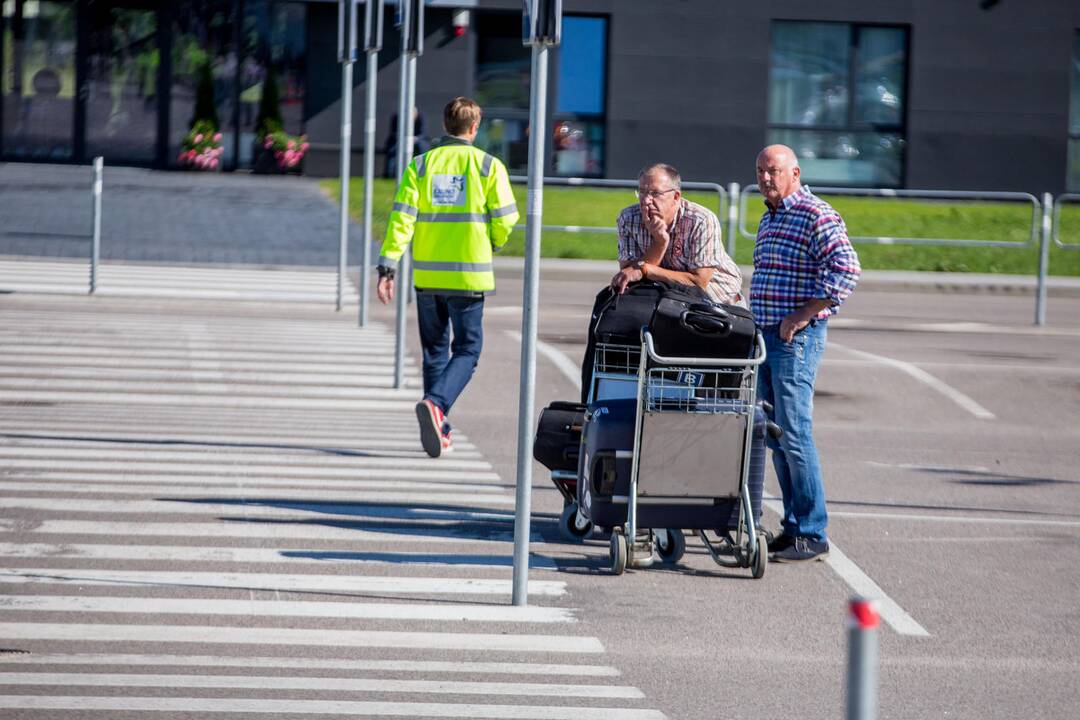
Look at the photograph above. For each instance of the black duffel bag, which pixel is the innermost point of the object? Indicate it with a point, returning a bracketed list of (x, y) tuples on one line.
[(558, 435)]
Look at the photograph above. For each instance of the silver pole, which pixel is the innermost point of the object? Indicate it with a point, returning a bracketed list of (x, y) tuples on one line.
[(410, 143), (733, 218), (403, 265), (1044, 258), (862, 675), (369, 181), (95, 218), (530, 297), (346, 150)]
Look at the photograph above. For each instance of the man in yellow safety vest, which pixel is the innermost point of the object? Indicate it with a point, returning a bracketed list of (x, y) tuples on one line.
[(455, 205)]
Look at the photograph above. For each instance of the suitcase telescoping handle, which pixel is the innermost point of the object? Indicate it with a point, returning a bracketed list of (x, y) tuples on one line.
[(705, 319)]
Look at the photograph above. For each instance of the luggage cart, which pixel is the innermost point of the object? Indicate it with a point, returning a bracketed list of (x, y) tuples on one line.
[(692, 443)]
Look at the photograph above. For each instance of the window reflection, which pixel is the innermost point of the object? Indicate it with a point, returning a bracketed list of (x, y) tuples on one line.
[(38, 80), (836, 96)]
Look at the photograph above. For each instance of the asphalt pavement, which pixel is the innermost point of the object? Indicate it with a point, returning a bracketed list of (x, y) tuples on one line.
[(215, 505)]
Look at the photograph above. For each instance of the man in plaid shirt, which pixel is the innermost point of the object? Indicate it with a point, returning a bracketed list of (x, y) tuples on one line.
[(804, 268), (666, 237)]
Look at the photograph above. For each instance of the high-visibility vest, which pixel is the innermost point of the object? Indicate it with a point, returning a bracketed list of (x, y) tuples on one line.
[(456, 206)]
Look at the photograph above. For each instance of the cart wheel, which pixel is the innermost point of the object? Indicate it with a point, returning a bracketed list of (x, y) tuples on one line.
[(573, 525), (670, 545), (618, 553), (761, 557)]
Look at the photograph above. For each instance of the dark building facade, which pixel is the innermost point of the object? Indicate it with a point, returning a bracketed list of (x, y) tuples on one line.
[(965, 94)]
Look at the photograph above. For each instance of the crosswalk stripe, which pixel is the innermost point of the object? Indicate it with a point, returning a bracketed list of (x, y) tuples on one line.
[(186, 553), (476, 669), (143, 484), (252, 491), (287, 608), (255, 682), (284, 508), (324, 707), (389, 585), (213, 634), (216, 399), (237, 391), (139, 454), (306, 530)]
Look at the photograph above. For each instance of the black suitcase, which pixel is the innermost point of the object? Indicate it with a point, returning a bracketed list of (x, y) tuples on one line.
[(618, 319), (681, 328), (558, 435), (604, 476)]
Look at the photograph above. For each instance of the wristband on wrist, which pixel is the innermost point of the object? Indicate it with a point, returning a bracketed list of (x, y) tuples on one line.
[(385, 272)]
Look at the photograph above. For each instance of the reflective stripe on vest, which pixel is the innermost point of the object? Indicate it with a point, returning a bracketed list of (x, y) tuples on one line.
[(452, 266), (454, 217), (406, 209), (504, 210), (485, 168), (421, 166)]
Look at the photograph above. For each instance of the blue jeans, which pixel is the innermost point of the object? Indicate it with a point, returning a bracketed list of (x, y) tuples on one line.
[(786, 380), (449, 365)]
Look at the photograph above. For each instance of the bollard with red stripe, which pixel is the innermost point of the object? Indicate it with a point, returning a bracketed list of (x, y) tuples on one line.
[(862, 676)]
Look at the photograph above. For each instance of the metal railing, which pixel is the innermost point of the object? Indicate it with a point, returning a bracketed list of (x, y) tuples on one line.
[(1066, 199), (1036, 208), (1040, 229), (722, 200)]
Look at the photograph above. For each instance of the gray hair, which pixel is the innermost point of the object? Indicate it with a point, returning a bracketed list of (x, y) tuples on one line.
[(669, 170)]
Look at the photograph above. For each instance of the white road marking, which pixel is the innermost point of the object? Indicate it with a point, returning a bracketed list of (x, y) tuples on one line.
[(284, 508), (216, 634), (185, 553), (308, 530), (476, 669), (286, 608), (962, 519), (334, 684), (246, 490), (289, 708), (924, 377), (562, 363), (861, 583), (32, 480), (355, 497), (389, 585), (254, 402)]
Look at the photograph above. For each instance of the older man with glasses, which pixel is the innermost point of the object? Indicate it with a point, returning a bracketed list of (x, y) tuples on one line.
[(667, 238)]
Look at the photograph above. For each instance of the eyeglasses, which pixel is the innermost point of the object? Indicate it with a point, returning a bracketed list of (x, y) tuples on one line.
[(654, 194)]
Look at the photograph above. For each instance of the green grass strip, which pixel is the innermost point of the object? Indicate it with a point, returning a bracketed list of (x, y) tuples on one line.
[(877, 217)]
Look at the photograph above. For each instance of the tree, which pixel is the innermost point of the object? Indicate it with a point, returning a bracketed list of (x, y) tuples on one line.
[(269, 118), (205, 108)]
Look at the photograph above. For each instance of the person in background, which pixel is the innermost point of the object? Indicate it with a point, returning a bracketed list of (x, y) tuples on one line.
[(455, 205), (804, 268)]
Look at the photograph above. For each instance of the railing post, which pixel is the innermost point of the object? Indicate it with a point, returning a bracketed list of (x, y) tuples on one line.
[(862, 674), (733, 218), (95, 219), (1044, 259)]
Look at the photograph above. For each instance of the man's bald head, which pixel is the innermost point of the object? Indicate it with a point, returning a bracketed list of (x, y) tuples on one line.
[(778, 173)]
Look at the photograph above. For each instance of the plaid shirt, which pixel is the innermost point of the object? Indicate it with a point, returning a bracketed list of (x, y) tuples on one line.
[(695, 243), (802, 252)]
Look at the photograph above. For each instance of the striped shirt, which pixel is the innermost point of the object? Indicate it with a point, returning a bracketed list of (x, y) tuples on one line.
[(802, 252), (695, 243)]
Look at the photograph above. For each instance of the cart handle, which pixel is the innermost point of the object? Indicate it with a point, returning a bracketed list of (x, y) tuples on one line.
[(758, 359)]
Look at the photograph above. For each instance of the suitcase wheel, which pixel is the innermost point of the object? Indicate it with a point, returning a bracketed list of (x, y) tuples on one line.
[(574, 526)]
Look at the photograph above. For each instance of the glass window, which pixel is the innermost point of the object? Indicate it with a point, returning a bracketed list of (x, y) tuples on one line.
[(203, 33), (38, 80), (503, 74), (1073, 183), (274, 40), (582, 66), (836, 96), (503, 64)]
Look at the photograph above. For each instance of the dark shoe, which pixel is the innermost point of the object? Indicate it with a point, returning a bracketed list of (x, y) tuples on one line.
[(781, 542), (803, 549), (431, 420)]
